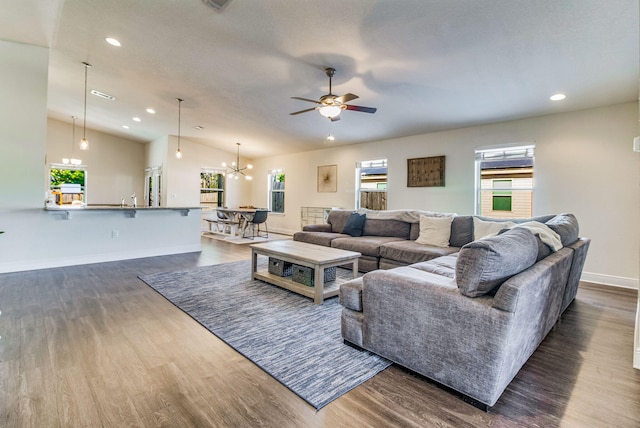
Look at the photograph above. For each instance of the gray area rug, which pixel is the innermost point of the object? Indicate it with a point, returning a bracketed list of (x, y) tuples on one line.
[(285, 334)]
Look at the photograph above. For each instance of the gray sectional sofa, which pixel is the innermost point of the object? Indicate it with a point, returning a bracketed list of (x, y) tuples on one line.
[(467, 315)]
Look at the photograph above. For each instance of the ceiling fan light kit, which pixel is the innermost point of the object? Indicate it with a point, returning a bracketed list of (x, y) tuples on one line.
[(331, 105)]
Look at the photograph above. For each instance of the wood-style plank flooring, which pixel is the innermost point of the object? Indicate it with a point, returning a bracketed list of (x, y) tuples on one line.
[(93, 346)]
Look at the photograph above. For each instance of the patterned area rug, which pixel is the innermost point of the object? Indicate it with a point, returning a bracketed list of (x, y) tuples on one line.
[(285, 334)]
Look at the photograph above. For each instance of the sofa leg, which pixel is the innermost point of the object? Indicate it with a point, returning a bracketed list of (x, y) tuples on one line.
[(353, 345), (475, 403)]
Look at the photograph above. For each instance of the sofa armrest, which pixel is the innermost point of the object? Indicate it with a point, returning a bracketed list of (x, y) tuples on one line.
[(323, 227)]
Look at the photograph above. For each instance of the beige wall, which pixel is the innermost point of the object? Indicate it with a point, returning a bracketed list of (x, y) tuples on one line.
[(579, 157), (115, 166)]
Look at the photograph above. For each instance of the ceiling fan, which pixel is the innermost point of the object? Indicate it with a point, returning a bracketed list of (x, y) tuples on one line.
[(331, 105)]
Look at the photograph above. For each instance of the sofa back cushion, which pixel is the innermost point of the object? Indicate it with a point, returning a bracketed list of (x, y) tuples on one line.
[(392, 228), (565, 225), (485, 264), (337, 219)]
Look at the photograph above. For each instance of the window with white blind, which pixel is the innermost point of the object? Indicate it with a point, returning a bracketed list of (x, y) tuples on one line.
[(504, 181)]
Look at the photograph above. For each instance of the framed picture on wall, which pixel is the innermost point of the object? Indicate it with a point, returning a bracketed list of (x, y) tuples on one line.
[(328, 178), (425, 172)]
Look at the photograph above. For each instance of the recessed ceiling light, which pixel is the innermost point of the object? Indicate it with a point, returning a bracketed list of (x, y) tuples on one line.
[(125, 126), (113, 42), (198, 127), (137, 119), (151, 111), (557, 97)]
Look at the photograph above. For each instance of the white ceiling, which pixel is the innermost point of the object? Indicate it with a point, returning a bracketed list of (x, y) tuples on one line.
[(427, 65)]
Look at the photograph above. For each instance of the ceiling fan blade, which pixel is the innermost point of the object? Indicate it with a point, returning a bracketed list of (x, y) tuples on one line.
[(302, 111), (346, 98), (334, 118), (362, 109), (305, 99)]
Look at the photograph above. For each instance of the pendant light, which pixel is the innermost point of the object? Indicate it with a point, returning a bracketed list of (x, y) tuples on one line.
[(84, 143), (178, 152), (71, 160)]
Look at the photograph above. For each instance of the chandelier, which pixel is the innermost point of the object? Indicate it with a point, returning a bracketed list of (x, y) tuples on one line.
[(234, 169)]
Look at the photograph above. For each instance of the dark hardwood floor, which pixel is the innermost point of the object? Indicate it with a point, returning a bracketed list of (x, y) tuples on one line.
[(92, 346)]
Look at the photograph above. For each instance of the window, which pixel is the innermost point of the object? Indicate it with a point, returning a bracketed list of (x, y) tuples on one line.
[(67, 184), (504, 181), (212, 188), (275, 179), (371, 184)]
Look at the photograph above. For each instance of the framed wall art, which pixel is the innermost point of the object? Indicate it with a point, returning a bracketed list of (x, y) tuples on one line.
[(425, 172), (328, 178)]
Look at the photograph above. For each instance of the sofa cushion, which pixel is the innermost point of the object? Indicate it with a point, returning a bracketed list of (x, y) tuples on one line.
[(337, 219), (485, 264), (445, 265), (483, 228), (461, 230), (394, 228), (354, 224), (408, 252), (365, 245), (565, 225), (434, 231), (318, 238)]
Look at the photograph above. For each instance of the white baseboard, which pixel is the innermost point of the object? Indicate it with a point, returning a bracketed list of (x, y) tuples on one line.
[(615, 281), (97, 258)]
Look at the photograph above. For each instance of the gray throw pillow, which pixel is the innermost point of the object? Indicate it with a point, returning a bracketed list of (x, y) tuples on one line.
[(355, 224), (461, 230), (484, 264)]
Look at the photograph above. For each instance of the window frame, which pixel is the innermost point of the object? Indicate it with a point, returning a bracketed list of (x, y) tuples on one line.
[(380, 163), (272, 189), (502, 153)]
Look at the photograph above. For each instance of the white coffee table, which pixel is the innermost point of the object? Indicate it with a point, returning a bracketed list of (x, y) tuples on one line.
[(313, 256)]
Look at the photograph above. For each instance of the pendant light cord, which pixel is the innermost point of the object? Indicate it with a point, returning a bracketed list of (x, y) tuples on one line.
[(84, 122), (179, 115)]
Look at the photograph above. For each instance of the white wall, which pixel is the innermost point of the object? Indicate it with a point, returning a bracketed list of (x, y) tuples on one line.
[(35, 238), (115, 166), (183, 175), (23, 125), (584, 165)]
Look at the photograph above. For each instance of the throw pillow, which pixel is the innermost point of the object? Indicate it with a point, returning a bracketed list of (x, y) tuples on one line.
[(355, 224), (485, 264), (482, 228), (434, 231)]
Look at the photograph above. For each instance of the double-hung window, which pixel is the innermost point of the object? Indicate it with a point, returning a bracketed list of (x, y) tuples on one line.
[(504, 181), (275, 180)]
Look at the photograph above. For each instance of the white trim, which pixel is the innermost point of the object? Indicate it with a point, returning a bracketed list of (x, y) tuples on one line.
[(615, 281), (98, 258), (636, 355)]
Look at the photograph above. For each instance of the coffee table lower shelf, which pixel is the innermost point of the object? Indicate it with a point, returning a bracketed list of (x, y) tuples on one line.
[(330, 289)]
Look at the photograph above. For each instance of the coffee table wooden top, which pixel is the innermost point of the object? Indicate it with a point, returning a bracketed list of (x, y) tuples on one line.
[(311, 253)]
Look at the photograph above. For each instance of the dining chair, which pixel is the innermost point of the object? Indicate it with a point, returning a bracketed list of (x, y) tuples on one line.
[(260, 217)]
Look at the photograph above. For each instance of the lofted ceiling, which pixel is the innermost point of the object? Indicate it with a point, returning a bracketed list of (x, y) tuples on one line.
[(426, 65)]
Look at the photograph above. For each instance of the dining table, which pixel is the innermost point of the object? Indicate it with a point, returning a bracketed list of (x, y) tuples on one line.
[(240, 218)]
